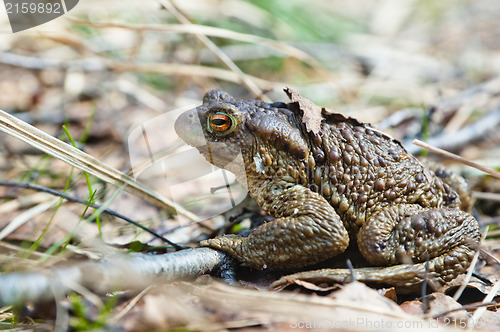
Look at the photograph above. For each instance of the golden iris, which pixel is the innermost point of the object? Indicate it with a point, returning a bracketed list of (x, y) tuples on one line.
[(221, 123)]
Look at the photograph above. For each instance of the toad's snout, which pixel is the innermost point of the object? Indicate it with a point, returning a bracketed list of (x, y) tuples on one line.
[(189, 128)]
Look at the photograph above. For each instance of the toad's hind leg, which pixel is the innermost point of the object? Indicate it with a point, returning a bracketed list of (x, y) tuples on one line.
[(404, 277), (306, 230), (402, 234), (408, 237)]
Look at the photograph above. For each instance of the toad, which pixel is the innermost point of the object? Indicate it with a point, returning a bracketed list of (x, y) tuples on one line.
[(345, 185)]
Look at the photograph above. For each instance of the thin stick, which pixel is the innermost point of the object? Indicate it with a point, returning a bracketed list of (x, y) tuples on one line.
[(466, 307), (489, 297), (84, 202), (455, 157), (114, 319), (92, 65), (210, 31), (464, 283), (460, 290), (486, 196)]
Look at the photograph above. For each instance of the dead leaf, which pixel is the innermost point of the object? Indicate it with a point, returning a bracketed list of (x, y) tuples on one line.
[(311, 112), (414, 307), (442, 307), (354, 305), (313, 287), (476, 289), (489, 320), (389, 293), (164, 308), (357, 292)]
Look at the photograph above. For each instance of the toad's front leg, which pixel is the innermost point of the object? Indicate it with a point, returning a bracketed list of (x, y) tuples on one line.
[(306, 230)]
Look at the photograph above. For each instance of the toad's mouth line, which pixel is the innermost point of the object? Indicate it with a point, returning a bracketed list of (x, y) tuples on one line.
[(218, 159)]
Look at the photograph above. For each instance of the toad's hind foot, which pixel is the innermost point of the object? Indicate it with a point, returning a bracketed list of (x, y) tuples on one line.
[(405, 278)]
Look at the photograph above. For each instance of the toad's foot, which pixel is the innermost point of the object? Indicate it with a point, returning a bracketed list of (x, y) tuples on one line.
[(405, 278)]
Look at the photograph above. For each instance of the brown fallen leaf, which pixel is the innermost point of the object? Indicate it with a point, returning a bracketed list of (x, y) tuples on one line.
[(476, 289), (389, 293), (311, 112), (313, 287), (357, 292), (413, 307), (354, 305), (490, 320), (440, 304)]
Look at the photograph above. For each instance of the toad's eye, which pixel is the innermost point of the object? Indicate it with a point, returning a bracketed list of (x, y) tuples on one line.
[(221, 123)]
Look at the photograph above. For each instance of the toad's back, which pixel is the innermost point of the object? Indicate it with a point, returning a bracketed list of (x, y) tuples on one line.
[(360, 171)]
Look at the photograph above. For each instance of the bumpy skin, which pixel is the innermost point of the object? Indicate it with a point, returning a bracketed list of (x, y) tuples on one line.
[(348, 184)]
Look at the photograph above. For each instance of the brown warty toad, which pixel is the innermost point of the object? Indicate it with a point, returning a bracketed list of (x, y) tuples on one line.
[(349, 184)]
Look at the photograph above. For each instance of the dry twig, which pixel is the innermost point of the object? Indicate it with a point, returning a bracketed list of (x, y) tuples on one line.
[(455, 157), (131, 271)]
